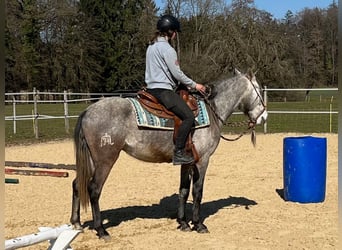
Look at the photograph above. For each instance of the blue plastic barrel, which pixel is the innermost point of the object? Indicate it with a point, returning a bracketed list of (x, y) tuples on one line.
[(304, 170)]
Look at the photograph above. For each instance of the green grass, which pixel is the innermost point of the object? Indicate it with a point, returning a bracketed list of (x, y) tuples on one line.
[(49, 129), (54, 129), (301, 123), (306, 123)]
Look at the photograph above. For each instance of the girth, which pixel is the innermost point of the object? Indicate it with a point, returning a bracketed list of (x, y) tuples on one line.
[(151, 104)]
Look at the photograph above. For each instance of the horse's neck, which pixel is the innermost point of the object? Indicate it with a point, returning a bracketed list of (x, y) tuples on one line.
[(228, 97)]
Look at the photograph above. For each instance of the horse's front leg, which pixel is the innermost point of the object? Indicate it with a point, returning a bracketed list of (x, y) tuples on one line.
[(197, 192), (184, 191)]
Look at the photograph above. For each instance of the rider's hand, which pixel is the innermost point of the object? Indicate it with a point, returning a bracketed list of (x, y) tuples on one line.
[(201, 88)]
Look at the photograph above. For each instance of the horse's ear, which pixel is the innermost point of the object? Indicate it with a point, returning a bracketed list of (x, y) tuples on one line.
[(236, 71)]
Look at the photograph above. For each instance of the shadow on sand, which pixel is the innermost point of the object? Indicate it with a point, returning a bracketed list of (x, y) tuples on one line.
[(167, 208)]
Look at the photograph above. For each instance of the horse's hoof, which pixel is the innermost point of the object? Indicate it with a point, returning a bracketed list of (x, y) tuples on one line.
[(184, 227), (103, 234), (106, 238), (77, 226), (202, 229), (187, 229)]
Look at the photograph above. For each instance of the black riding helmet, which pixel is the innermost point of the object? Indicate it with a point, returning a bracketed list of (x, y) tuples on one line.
[(168, 22)]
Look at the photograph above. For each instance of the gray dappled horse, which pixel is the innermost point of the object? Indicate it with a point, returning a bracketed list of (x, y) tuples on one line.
[(109, 126)]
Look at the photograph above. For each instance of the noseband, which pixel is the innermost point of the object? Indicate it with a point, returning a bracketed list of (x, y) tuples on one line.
[(261, 100)]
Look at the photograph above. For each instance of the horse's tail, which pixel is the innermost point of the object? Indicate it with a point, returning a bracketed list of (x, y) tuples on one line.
[(84, 163)]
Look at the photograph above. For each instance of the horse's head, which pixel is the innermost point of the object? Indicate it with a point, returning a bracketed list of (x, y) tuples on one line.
[(253, 104), (240, 92)]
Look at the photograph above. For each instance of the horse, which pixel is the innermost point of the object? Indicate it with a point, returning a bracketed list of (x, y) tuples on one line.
[(109, 126)]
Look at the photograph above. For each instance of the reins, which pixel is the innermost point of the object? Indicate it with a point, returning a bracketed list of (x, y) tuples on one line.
[(242, 133), (236, 124), (251, 124)]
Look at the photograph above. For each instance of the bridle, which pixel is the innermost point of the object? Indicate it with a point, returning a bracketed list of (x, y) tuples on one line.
[(251, 123)]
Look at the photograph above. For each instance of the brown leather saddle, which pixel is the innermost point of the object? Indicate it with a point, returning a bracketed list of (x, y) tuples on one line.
[(151, 104)]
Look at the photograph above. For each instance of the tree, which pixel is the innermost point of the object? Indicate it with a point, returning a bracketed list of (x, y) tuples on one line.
[(330, 31), (22, 44), (99, 46), (123, 50), (14, 73)]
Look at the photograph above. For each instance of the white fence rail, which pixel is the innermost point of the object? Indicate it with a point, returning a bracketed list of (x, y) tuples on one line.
[(329, 111), (35, 97)]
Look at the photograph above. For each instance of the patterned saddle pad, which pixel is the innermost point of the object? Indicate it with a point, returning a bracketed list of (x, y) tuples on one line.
[(149, 120)]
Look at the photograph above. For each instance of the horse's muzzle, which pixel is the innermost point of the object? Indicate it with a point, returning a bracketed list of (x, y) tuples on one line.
[(262, 117)]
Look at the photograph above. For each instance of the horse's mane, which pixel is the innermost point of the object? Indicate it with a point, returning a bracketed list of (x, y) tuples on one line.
[(226, 77), (213, 86)]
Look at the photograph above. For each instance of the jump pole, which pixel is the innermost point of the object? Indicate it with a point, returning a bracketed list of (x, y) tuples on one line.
[(36, 172), (11, 181), (59, 237), (39, 165)]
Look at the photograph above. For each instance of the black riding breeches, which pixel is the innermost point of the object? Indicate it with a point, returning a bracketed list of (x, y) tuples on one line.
[(177, 105)]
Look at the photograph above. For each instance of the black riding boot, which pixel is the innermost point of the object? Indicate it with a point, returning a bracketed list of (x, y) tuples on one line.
[(180, 157)]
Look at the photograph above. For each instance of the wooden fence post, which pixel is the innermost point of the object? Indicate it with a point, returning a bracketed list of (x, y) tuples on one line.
[(14, 116), (265, 101), (35, 113), (66, 112)]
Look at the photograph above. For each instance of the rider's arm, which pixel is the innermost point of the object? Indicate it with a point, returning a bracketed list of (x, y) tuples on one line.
[(171, 61)]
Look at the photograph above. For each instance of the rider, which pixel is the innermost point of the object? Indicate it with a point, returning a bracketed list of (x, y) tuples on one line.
[(162, 77)]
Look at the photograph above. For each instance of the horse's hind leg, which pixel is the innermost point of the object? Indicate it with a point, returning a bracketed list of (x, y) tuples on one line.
[(184, 191), (75, 212), (95, 188)]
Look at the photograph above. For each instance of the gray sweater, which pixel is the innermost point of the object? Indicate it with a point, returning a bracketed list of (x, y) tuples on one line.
[(162, 67)]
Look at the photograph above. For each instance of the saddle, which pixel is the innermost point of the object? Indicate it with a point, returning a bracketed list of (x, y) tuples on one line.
[(151, 104)]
